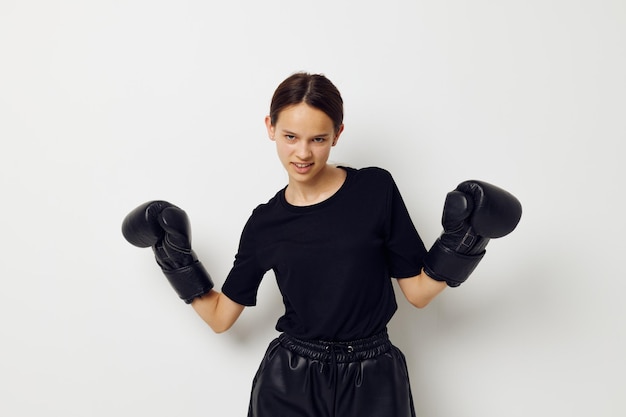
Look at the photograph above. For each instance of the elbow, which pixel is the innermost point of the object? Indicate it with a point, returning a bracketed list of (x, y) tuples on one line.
[(218, 316), (218, 330), (421, 289), (421, 299), (219, 327), (420, 303)]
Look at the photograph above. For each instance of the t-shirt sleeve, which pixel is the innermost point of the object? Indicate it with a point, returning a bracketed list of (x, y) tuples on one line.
[(244, 278), (405, 248)]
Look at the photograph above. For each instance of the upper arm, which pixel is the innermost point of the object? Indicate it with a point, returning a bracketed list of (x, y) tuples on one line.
[(421, 289)]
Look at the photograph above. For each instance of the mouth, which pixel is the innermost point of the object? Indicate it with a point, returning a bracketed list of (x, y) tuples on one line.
[(302, 166)]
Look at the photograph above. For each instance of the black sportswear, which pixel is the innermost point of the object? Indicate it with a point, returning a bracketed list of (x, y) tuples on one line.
[(333, 260)]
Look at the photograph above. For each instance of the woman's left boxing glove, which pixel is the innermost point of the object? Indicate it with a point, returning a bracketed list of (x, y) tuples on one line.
[(473, 213)]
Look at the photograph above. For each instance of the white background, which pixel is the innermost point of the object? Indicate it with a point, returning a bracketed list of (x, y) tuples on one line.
[(106, 104)]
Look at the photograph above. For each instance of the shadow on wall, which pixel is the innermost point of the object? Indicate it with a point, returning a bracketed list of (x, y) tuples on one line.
[(498, 309)]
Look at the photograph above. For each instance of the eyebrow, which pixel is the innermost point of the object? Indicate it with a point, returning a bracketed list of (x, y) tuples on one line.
[(321, 135)]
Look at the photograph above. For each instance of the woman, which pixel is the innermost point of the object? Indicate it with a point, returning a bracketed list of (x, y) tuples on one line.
[(334, 237)]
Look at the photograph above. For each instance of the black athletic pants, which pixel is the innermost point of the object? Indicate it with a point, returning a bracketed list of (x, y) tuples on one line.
[(365, 378)]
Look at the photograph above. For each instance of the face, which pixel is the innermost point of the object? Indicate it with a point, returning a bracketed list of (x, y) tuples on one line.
[(304, 137)]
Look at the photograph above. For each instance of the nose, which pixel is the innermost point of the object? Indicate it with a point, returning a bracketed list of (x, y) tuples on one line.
[(303, 149)]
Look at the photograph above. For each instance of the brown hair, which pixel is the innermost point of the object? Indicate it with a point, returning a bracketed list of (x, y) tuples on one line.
[(313, 89)]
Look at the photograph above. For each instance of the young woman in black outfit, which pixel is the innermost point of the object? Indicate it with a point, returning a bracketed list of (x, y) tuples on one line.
[(334, 237)]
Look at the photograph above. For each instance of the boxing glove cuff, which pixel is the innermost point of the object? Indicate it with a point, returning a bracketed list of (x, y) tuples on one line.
[(444, 264), (190, 281)]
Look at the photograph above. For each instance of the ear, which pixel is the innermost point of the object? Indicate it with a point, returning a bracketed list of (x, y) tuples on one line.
[(270, 129), (339, 131)]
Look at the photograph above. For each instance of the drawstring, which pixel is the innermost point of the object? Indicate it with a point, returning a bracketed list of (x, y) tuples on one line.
[(334, 349), (333, 353), (341, 351)]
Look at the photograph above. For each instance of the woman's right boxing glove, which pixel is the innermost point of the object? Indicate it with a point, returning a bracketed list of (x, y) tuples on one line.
[(166, 228)]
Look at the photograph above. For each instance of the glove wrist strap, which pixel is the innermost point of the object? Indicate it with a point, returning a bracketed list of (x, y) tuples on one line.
[(190, 281), (444, 264)]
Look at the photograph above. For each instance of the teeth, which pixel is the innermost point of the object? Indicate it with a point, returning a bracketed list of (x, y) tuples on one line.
[(302, 165)]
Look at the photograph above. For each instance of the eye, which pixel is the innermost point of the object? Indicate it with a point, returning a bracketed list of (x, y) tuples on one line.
[(290, 138), (319, 140)]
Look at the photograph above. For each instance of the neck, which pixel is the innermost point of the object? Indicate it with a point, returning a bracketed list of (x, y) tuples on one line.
[(308, 193)]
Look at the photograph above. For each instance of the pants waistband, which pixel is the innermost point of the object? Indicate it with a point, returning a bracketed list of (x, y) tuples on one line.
[(338, 352)]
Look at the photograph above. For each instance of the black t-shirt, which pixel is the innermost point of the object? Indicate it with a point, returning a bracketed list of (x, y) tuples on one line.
[(333, 260)]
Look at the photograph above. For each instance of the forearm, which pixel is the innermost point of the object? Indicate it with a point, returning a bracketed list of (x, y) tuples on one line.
[(217, 310), (421, 289)]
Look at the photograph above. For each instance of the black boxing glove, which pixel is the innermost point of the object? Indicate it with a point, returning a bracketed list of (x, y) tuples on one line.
[(473, 213), (166, 228)]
